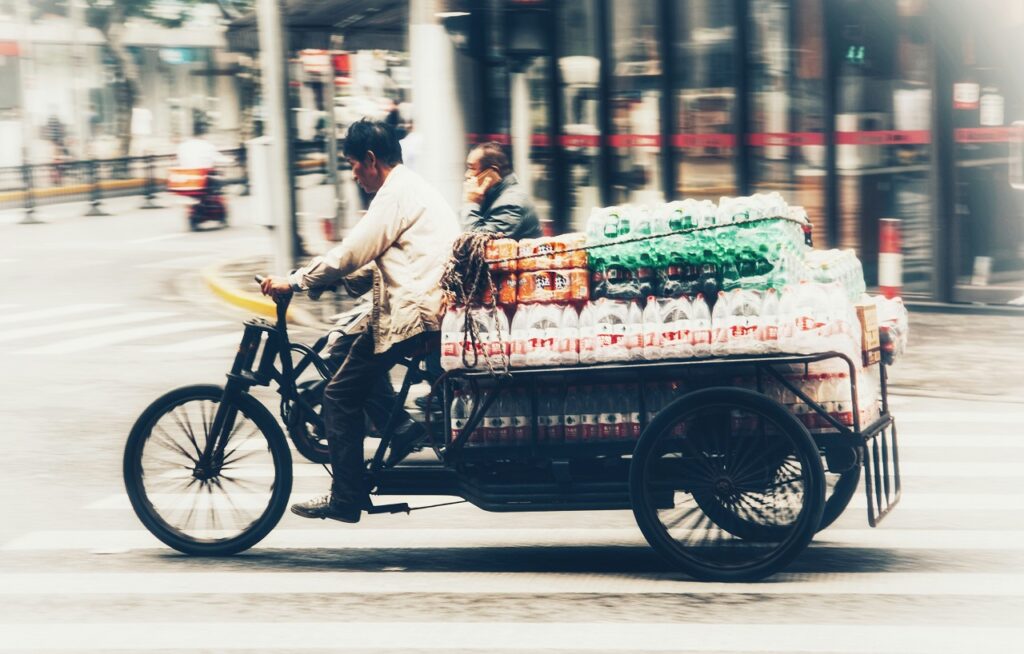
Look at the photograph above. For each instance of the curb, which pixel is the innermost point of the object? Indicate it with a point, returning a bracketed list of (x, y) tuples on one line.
[(230, 293)]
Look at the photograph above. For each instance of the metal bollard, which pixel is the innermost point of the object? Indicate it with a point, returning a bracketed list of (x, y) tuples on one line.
[(890, 258), (30, 199), (94, 191), (150, 187)]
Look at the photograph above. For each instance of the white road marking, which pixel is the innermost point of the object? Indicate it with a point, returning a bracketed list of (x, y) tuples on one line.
[(55, 312), (364, 536), (981, 416), (501, 583), (72, 327), (178, 263), (218, 341), (908, 502), (111, 338), (518, 636), (945, 441), (153, 239)]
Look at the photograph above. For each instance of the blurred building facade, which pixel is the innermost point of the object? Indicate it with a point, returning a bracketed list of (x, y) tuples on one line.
[(55, 75), (856, 109)]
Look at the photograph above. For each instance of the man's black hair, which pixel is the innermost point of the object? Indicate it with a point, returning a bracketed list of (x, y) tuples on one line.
[(493, 155), (366, 135)]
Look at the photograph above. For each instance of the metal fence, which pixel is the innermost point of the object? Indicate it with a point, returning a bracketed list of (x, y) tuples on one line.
[(32, 185)]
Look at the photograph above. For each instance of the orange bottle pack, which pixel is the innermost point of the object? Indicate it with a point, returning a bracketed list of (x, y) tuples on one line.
[(550, 252), (507, 285), (500, 249), (559, 286)]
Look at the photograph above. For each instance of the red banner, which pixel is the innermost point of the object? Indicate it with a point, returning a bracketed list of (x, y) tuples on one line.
[(760, 140), (987, 134), (885, 137), (635, 140), (704, 140), (579, 140)]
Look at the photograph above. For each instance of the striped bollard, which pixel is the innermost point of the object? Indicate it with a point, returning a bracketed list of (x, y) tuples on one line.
[(890, 258)]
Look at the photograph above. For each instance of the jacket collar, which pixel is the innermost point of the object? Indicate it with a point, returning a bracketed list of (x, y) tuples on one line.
[(492, 193)]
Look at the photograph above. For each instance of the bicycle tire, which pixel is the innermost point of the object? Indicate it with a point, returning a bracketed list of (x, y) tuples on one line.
[(154, 508), (301, 431), (663, 484)]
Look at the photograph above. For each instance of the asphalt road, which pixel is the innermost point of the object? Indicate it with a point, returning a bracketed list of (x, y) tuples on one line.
[(100, 316)]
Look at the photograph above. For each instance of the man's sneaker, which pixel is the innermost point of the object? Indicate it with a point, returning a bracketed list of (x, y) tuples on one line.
[(325, 507), (405, 441)]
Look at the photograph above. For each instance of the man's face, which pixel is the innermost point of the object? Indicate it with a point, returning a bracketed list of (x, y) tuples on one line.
[(366, 173), (473, 164)]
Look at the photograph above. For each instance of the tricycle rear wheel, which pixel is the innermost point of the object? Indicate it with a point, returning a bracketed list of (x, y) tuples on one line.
[(727, 484)]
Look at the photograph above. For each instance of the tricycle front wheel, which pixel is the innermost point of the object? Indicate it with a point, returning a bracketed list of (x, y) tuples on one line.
[(727, 485)]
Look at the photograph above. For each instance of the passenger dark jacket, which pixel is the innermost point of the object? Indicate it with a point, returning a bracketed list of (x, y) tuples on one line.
[(506, 209)]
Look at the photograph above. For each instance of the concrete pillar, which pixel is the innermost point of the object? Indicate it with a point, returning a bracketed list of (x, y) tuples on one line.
[(438, 113)]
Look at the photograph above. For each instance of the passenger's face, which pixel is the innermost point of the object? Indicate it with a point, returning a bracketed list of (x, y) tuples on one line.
[(473, 164), (366, 172)]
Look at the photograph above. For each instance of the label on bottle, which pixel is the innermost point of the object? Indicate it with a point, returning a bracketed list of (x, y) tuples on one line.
[(770, 333), (520, 432), (555, 428), (588, 427), (742, 326), (572, 429), (633, 429), (611, 426)]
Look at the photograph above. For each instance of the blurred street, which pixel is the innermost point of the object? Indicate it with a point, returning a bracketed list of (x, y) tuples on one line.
[(102, 315)]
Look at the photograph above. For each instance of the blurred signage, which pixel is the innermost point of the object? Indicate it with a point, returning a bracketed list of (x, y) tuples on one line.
[(8, 49), (992, 112), (177, 55), (966, 95), (786, 138)]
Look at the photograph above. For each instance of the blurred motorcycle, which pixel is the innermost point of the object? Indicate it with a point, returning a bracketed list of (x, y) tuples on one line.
[(200, 185)]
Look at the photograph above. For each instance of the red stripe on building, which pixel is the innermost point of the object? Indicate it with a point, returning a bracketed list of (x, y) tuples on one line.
[(765, 139), (885, 137), (635, 140), (704, 140), (579, 140), (8, 49), (987, 134)]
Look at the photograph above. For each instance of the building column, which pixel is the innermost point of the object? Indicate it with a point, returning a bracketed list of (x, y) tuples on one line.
[(438, 113)]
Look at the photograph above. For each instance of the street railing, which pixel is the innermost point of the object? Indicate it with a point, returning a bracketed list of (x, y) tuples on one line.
[(32, 185)]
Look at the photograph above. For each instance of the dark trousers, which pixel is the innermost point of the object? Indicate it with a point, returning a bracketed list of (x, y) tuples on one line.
[(352, 390)]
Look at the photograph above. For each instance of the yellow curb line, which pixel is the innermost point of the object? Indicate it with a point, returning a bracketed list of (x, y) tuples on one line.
[(251, 301)]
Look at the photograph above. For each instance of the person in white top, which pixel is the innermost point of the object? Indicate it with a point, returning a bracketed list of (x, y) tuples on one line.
[(400, 248), (198, 153)]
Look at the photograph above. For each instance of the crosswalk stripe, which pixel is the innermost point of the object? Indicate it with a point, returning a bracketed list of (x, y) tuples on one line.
[(908, 502), (502, 583), (73, 326), (517, 636), (55, 312), (202, 344), (364, 536), (970, 417), (111, 338), (190, 261), (945, 441)]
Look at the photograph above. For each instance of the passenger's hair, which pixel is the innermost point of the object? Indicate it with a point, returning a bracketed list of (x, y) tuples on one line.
[(492, 154), (366, 135)]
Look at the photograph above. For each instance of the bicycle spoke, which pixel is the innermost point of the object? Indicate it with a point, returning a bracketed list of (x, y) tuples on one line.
[(187, 429), (172, 445)]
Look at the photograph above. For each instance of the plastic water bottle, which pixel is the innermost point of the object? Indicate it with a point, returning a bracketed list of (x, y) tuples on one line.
[(768, 332), (549, 420), (630, 393), (572, 430), (588, 334), (700, 327), (460, 414), (543, 332), (635, 333), (519, 336), (677, 329), (720, 319), (519, 418), (611, 322), (569, 337), (589, 409), (652, 327), (744, 322), (451, 339)]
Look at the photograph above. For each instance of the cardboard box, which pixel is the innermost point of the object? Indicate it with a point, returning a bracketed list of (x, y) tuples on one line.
[(870, 345)]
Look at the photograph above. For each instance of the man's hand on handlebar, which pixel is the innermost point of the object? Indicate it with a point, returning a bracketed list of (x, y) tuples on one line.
[(276, 288)]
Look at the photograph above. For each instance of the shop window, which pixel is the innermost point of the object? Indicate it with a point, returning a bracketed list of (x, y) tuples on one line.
[(579, 69), (635, 102), (705, 89), (787, 104)]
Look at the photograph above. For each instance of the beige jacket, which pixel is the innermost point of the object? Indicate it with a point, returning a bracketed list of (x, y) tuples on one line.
[(399, 248)]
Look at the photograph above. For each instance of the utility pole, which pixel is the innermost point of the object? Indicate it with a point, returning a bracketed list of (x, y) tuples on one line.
[(273, 61)]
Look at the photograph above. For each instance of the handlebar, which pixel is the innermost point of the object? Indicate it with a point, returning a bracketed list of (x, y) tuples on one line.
[(281, 302)]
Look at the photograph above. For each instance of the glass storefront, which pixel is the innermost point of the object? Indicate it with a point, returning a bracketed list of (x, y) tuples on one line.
[(987, 101), (704, 135), (635, 102), (835, 104)]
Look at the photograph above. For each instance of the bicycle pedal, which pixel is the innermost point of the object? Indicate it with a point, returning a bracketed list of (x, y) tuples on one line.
[(401, 507)]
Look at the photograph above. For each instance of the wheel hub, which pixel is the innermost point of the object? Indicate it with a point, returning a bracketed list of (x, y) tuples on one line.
[(724, 487)]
